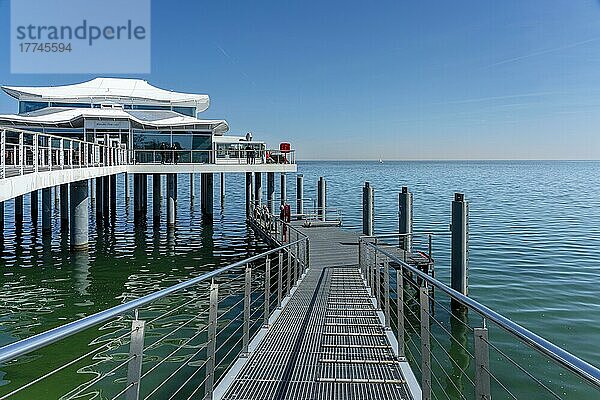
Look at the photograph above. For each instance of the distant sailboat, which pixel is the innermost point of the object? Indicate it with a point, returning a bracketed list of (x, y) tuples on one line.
[(380, 161)]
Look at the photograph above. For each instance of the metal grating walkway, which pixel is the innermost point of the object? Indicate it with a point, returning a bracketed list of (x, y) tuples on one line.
[(328, 341)]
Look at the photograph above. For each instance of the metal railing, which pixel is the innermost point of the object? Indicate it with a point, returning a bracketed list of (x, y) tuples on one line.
[(457, 347), (238, 157), (177, 342), (24, 152)]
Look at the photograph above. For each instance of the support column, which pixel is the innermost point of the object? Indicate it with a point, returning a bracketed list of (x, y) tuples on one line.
[(248, 194), (64, 207), (34, 203), (322, 199), (222, 187), (46, 211), (192, 194), (126, 187), (140, 205), (299, 195), (113, 194), (283, 189), (19, 211), (368, 209), (207, 195), (144, 183), (1, 218), (106, 197), (170, 201), (460, 244), (271, 191), (99, 198), (175, 189), (79, 215), (156, 199), (405, 204), (258, 188)]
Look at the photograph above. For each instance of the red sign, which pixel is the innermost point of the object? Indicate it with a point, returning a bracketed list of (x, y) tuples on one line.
[(285, 147)]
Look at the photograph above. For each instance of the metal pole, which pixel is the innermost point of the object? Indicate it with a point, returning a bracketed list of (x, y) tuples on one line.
[(192, 192), (322, 199), (288, 286), (170, 201), (64, 207), (425, 346), (386, 282), (156, 181), (46, 211), (279, 277), (300, 195), (34, 197), (212, 341), (283, 189), (400, 309), (79, 215), (267, 304), (247, 300), (296, 261), (368, 209), (134, 367), (405, 203), (258, 188), (459, 251), (377, 282), (248, 194), (482, 363)]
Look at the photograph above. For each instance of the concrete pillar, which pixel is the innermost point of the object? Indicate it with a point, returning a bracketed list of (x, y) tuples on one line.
[(257, 188), (79, 215), (171, 201), (192, 194), (156, 187), (271, 191), (144, 183), (113, 194), (126, 187), (248, 194), (56, 198), (207, 195), (64, 207), (46, 211), (106, 195), (222, 187), (99, 198), (34, 203), (283, 189), (175, 189), (139, 197), (368, 209), (19, 210), (460, 244), (322, 199), (405, 204), (299, 195)]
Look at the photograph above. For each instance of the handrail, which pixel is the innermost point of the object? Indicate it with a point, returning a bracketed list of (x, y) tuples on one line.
[(559, 355), (13, 350)]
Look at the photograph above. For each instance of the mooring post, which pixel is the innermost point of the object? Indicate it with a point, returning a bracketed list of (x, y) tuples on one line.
[(79, 215), (405, 204), (283, 189), (300, 195), (459, 250), (271, 192), (368, 209), (322, 199), (46, 211)]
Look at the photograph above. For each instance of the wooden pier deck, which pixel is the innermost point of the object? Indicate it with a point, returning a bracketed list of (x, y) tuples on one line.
[(329, 341)]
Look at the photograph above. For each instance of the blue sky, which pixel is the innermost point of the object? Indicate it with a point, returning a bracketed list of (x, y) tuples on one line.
[(388, 79)]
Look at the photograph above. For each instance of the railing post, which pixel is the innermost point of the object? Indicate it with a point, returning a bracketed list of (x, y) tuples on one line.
[(134, 367), (386, 282), (247, 300), (482, 364), (400, 309), (36, 154), (425, 345), (61, 154), (267, 311), (21, 153), (3, 155), (377, 282), (296, 261), (289, 270), (279, 277), (360, 260), (212, 341)]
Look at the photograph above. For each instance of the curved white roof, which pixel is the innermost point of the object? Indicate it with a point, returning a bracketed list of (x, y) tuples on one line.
[(118, 90), (69, 116)]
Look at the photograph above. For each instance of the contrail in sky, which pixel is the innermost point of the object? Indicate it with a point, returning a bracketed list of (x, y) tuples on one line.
[(542, 52)]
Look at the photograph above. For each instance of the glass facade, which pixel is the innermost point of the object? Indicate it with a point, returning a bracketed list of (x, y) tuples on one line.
[(28, 106), (172, 146)]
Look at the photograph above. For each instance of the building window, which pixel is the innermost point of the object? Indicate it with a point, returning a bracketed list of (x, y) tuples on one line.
[(190, 111), (71, 105), (28, 106)]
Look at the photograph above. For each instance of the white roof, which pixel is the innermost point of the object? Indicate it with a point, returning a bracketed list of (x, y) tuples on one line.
[(60, 115), (234, 139), (119, 90)]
